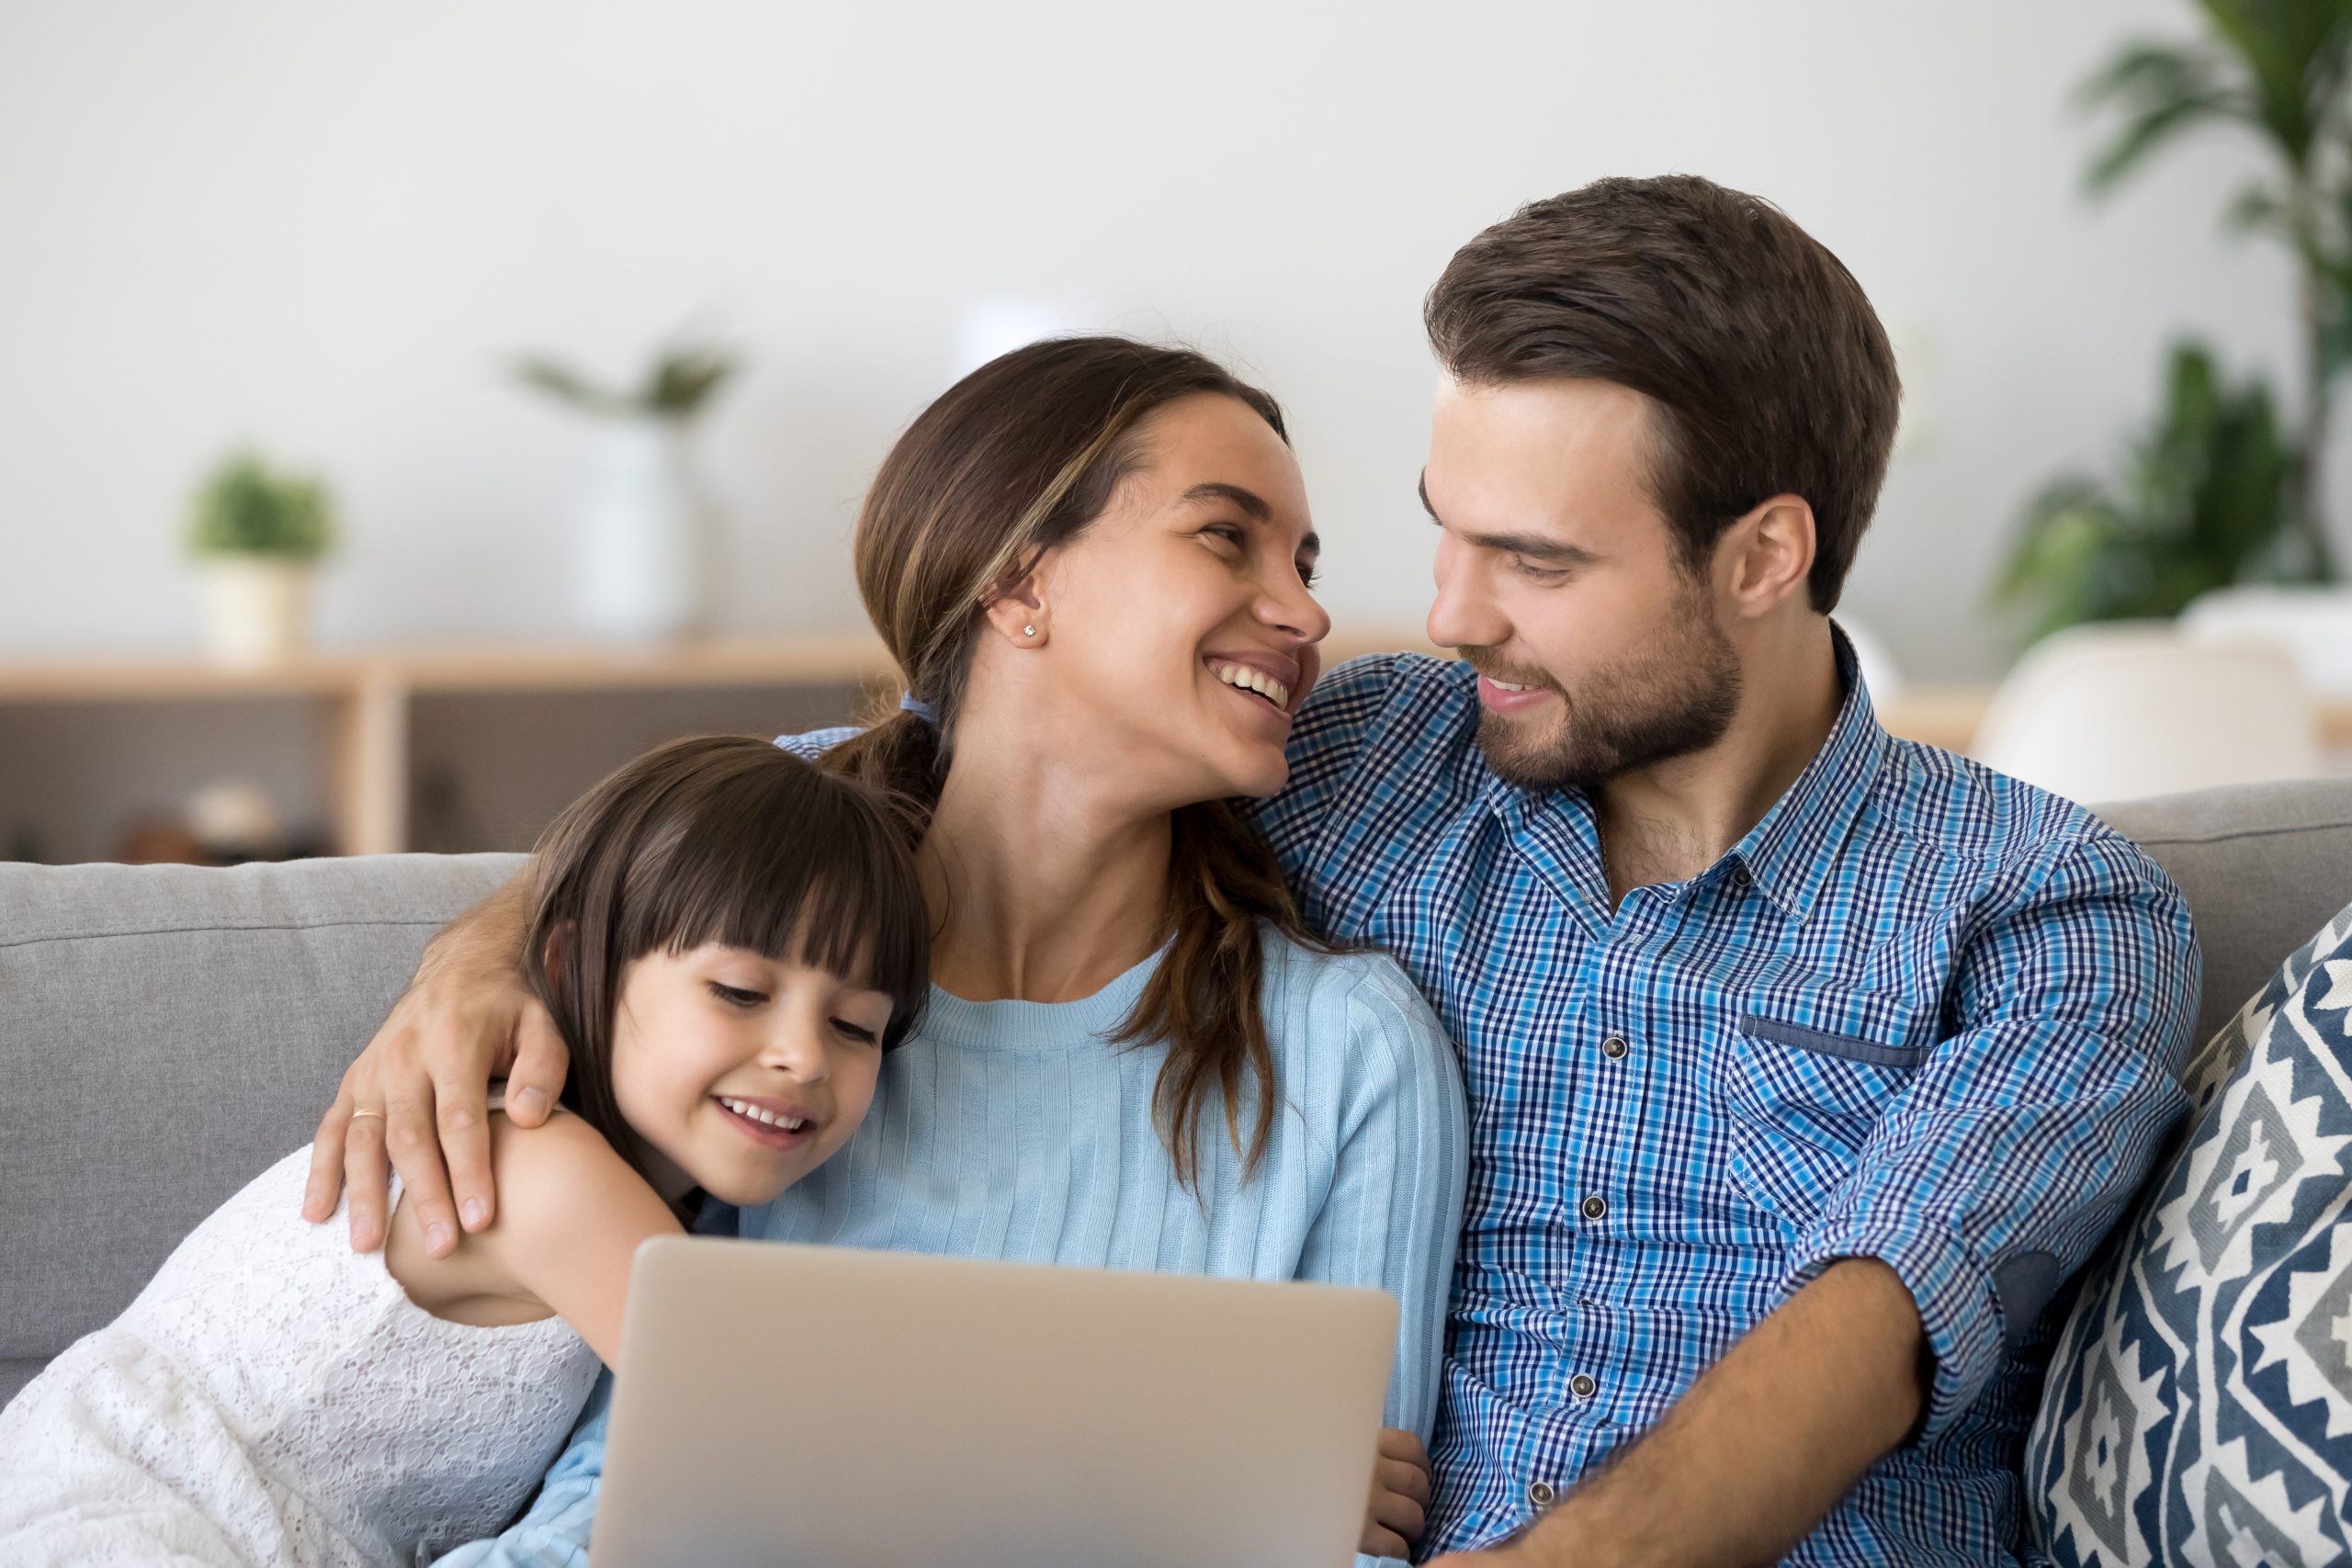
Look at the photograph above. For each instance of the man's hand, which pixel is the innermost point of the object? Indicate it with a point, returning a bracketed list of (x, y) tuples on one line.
[(1400, 1497), (466, 1018)]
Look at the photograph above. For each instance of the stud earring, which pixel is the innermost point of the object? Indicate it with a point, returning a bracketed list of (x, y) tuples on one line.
[(1028, 631)]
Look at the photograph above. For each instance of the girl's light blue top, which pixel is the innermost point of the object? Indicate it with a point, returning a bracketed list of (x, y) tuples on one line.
[(1020, 1131)]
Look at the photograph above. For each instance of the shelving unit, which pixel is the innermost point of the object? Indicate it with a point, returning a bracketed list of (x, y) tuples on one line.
[(371, 717), (365, 705)]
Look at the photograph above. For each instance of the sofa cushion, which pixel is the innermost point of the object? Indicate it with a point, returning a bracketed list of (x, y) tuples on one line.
[(2198, 1406), (166, 1034)]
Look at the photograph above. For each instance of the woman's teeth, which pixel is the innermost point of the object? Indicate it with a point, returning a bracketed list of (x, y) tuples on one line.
[(1255, 680), (768, 1118)]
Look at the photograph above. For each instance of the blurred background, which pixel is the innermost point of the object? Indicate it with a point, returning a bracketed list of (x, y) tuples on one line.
[(408, 412)]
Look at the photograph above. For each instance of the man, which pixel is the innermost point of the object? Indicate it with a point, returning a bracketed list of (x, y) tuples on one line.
[(1805, 1064)]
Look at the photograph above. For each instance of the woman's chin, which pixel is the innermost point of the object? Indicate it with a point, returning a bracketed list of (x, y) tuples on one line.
[(1262, 779)]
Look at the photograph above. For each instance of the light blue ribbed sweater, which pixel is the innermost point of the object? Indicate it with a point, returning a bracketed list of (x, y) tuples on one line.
[(1018, 1131)]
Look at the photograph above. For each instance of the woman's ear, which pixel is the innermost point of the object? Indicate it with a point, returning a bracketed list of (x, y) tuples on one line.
[(1017, 610)]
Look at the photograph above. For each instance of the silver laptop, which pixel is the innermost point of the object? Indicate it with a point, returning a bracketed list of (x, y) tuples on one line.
[(832, 1408)]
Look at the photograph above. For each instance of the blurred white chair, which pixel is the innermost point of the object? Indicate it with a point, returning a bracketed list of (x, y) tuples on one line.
[(2314, 626), (2121, 711)]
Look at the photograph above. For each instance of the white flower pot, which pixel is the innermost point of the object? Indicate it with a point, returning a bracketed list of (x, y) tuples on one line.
[(256, 609), (641, 571)]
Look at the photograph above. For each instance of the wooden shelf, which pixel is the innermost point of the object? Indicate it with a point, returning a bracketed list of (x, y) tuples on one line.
[(368, 695)]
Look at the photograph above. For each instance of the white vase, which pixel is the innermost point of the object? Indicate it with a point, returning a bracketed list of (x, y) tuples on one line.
[(256, 609), (639, 568)]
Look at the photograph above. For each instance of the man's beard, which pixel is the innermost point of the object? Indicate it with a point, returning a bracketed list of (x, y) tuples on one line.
[(1665, 701)]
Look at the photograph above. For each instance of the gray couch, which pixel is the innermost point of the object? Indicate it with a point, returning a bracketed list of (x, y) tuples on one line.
[(166, 1034)]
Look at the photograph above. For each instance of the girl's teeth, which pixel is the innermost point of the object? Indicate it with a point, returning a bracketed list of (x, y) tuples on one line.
[(769, 1118)]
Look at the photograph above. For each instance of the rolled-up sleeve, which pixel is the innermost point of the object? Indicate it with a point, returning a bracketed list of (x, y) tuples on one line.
[(2016, 1145)]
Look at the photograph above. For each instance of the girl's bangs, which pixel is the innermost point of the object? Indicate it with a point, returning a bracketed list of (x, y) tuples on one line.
[(792, 865)]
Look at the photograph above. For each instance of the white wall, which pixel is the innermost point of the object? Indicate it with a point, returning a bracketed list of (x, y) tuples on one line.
[(324, 227)]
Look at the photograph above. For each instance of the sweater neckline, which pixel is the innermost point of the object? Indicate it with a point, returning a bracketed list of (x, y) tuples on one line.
[(1036, 1026)]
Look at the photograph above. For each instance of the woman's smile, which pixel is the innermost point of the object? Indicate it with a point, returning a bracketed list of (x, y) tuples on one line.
[(1267, 690)]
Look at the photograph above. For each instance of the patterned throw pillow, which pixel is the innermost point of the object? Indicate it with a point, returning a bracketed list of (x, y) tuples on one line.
[(2198, 1406)]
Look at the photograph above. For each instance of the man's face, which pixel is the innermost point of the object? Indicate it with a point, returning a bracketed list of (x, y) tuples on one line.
[(1597, 649)]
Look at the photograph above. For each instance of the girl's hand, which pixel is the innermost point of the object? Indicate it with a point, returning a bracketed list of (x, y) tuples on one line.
[(1400, 1497)]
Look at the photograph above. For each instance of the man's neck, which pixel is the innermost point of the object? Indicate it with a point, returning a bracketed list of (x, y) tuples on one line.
[(1044, 886), (1672, 820)]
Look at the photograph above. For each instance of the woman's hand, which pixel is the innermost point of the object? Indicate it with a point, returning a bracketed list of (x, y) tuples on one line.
[(465, 1018), (1400, 1497)]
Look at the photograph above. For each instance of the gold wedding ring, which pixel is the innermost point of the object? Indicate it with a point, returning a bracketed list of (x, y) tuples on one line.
[(363, 1111)]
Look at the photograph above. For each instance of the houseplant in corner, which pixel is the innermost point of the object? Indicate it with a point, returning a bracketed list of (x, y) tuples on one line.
[(257, 534), (2226, 487), (641, 558)]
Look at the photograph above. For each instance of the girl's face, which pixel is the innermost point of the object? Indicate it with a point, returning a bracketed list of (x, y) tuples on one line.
[(742, 1073), (1177, 636)]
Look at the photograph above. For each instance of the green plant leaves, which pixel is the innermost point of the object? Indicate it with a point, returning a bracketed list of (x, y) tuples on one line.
[(244, 507), (2216, 489), (2204, 499), (680, 382), (2162, 90)]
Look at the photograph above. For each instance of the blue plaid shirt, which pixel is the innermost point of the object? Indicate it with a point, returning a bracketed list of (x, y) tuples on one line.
[(1922, 1013)]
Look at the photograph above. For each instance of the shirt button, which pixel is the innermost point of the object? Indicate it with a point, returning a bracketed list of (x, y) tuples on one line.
[(1614, 1047), (1583, 1387), (1595, 1207), (1541, 1494), (1739, 876)]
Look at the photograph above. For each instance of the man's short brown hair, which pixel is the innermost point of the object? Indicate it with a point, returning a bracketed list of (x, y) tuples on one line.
[(1769, 370)]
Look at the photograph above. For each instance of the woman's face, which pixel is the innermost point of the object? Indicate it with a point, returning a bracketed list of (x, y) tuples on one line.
[(1176, 637), (742, 1073)]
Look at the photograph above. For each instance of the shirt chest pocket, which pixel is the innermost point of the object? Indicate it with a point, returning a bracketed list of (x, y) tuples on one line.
[(1810, 1075)]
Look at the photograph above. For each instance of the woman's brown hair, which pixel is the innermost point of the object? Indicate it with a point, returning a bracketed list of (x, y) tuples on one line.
[(1019, 457), (720, 839)]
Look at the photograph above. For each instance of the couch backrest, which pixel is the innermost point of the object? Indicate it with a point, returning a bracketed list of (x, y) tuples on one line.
[(166, 1032), (2263, 866)]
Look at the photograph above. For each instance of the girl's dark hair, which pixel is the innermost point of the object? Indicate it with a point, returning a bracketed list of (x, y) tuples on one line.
[(722, 839), (1019, 457)]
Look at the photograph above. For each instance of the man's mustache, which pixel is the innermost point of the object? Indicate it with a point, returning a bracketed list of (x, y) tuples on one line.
[(1486, 663)]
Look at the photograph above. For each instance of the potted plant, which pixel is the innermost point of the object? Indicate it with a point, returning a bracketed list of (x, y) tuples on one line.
[(257, 534), (641, 562), (2226, 487)]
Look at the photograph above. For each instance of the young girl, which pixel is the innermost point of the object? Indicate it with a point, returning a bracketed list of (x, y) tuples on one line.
[(729, 941)]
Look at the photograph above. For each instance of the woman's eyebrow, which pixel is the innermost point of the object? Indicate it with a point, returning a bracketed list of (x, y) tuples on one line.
[(1247, 500), (1250, 502)]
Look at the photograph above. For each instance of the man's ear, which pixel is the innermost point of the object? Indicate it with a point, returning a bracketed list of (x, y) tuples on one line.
[(1766, 555)]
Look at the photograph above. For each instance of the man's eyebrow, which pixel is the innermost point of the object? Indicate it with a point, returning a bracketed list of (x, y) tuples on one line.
[(1250, 502), (1535, 547)]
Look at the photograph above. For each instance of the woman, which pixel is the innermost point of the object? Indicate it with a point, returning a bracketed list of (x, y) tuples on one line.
[(1093, 559)]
